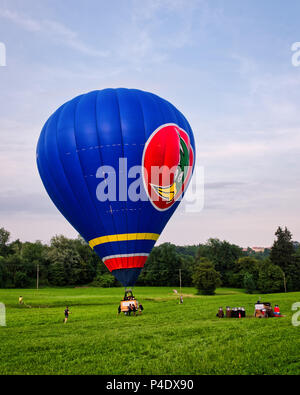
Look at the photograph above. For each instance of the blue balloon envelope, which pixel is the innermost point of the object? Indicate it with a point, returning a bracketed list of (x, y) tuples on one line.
[(116, 164)]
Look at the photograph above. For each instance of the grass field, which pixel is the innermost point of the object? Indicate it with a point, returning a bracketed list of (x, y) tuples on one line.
[(167, 339)]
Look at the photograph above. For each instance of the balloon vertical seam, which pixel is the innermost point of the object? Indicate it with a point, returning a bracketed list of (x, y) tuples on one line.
[(122, 145)]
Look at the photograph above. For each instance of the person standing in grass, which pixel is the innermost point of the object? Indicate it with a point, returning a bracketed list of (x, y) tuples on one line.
[(220, 312), (276, 310), (21, 300), (133, 309), (141, 308), (130, 309), (67, 312)]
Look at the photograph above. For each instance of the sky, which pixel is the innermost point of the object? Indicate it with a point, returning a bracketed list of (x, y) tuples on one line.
[(226, 65)]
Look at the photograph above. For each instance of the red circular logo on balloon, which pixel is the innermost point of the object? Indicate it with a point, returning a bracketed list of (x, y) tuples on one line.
[(168, 161)]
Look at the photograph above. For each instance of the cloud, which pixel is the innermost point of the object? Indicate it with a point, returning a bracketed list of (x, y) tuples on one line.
[(54, 29), (23, 21), (16, 201), (160, 28), (251, 145), (222, 184)]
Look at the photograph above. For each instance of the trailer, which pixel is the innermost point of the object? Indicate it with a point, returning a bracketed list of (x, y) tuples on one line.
[(263, 310)]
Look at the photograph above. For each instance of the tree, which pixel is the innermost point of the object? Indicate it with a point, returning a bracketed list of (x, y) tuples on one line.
[(4, 238), (105, 280), (3, 273), (14, 265), (22, 280), (34, 254), (162, 266), (57, 274), (293, 273), (71, 261), (249, 283), (205, 278), (270, 278), (223, 255), (187, 266), (245, 265), (283, 254), (282, 249), (64, 262), (188, 250)]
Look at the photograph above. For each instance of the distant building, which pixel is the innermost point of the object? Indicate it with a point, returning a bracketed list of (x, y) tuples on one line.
[(256, 249)]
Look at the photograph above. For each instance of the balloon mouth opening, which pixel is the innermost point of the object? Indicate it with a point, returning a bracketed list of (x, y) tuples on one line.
[(127, 277)]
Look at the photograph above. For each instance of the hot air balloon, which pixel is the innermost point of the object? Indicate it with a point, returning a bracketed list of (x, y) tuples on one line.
[(85, 140)]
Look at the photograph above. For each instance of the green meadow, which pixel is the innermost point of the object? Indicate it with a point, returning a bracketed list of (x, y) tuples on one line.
[(168, 338)]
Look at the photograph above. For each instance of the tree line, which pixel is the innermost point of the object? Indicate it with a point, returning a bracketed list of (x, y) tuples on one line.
[(71, 262)]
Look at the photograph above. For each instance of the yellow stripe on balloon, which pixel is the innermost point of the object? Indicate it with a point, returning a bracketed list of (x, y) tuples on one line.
[(122, 237)]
